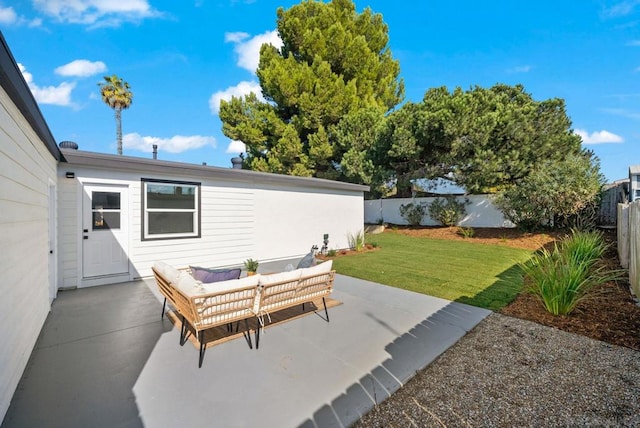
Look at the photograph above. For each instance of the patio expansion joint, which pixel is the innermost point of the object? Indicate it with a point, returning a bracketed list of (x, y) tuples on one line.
[(106, 333)]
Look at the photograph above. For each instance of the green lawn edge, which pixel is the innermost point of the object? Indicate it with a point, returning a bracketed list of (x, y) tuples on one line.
[(487, 276)]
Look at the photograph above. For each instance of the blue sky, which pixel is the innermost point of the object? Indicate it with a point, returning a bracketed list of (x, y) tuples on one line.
[(182, 57)]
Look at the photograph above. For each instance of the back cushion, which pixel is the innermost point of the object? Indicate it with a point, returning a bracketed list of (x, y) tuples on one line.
[(323, 267), (170, 273), (214, 275), (231, 285), (294, 275)]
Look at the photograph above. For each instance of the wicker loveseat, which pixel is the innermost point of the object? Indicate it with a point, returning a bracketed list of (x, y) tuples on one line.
[(205, 306)]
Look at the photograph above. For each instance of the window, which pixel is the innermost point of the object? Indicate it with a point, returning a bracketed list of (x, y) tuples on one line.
[(171, 209), (105, 210)]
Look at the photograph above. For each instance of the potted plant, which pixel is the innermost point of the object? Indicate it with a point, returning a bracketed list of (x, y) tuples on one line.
[(251, 266)]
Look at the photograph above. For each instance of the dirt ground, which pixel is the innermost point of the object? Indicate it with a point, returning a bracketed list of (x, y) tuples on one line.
[(610, 315)]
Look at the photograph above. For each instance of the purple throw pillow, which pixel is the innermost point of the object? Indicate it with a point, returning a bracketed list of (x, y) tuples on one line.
[(214, 275)]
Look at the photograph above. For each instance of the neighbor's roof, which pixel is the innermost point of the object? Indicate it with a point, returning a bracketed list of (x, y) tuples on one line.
[(181, 169), (634, 169), (13, 83)]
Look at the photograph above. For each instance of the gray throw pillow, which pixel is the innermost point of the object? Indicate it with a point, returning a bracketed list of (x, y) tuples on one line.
[(307, 261), (214, 275)]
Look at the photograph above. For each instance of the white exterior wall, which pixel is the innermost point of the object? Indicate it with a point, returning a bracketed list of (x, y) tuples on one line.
[(480, 212), (239, 220), (290, 220), (27, 170)]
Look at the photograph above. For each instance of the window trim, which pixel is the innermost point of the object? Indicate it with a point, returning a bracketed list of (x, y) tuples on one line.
[(144, 213)]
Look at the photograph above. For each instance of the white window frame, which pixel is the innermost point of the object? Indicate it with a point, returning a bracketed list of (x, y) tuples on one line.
[(146, 236)]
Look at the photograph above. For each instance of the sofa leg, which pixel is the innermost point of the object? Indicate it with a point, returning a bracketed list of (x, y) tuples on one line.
[(164, 304), (258, 335), (325, 309), (183, 332), (202, 347), (248, 336)]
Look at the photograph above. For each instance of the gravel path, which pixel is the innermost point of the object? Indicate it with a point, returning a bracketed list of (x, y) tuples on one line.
[(509, 372)]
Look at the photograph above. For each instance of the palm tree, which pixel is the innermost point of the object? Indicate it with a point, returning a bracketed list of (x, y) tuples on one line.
[(116, 94)]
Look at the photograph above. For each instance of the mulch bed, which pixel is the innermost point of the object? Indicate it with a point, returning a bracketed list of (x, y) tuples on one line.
[(611, 314)]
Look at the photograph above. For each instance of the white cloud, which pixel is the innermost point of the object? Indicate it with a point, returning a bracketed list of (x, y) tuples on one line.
[(35, 22), (175, 144), (248, 49), (8, 16), (97, 13), (235, 37), (598, 137), (622, 8), (520, 69), (58, 95), (236, 146), (241, 89), (81, 68), (623, 112)]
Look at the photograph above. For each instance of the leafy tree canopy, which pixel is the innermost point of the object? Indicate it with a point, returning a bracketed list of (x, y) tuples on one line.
[(334, 62), (484, 139), (558, 193)]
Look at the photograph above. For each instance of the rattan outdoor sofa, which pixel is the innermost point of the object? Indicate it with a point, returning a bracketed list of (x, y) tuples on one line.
[(204, 306)]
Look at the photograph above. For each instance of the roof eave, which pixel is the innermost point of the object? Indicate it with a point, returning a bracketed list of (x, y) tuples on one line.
[(130, 163), (13, 82)]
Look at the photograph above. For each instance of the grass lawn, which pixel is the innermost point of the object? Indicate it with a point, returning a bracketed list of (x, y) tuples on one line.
[(481, 275)]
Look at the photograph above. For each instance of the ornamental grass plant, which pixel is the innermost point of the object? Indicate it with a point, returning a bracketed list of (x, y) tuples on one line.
[(565, 276)]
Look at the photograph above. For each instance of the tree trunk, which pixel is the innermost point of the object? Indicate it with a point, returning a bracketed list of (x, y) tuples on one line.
[(403, 187), (118, 111)]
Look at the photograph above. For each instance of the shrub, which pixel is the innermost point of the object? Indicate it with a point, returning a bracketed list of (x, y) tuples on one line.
[(356, 241), (466, 232), (584, 247), (556, 194), (332, 253), (413, 212), (447, 211), (565, 276)]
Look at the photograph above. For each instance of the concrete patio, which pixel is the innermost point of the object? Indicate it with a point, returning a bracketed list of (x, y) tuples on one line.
[(105, 358)]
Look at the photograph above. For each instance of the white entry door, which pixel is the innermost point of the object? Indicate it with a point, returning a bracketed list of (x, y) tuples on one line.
[(104, 231)]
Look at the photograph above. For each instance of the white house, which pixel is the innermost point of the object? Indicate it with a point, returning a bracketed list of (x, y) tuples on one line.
[(119, 214), (28, 177), (70, 218), (634, 183)]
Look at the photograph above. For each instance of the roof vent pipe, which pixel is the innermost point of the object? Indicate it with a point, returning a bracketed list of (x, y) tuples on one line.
[(155, 151), (237, 162), (68, 145)]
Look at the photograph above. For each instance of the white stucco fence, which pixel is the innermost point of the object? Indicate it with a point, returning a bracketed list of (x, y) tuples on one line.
[(481, 212)]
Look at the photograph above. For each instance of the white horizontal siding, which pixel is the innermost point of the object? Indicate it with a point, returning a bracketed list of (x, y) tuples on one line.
[(26, 170), (227, 233)]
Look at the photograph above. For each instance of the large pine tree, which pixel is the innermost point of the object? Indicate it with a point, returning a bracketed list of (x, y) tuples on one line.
[(334, 62)]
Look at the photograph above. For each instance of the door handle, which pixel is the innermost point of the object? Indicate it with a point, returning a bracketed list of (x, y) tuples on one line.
[(85, 230)]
